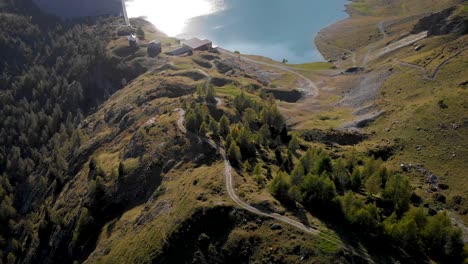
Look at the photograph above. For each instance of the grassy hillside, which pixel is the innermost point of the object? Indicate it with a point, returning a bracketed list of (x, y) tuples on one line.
[(423, 94)]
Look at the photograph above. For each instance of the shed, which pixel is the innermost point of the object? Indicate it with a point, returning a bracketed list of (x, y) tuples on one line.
[(154, 48), (198, 44), (179, 51)]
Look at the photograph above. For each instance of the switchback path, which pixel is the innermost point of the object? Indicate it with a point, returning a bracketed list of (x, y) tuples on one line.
[(308, 88), (235, 198), (219, 102), (425, 74)]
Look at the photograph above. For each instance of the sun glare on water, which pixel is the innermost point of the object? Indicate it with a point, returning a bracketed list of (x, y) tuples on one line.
[(170, 16)]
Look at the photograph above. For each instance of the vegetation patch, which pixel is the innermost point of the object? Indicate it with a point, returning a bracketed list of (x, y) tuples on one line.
[(362, 7), (373, 200)]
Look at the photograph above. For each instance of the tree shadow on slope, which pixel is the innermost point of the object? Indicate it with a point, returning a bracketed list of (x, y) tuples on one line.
[(201, 238), (362, 240)]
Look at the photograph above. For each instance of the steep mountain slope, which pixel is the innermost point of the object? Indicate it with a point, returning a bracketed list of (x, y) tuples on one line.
[(183, 159), (419, 98), (80, 8)]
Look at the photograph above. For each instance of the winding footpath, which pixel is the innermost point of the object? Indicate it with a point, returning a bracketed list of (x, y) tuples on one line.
[(309, 88), (208, 78), (239, 202)]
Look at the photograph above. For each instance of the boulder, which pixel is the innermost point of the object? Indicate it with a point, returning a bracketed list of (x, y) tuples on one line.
[(440, 198), (276, 227)]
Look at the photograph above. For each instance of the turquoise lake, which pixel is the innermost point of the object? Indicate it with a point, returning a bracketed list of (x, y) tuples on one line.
[(278, 29)]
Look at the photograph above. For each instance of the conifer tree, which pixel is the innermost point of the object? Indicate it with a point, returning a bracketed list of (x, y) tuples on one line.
[(224, 126), (200, 90), (356, 182), (373, 184), (294, 144), (257, 170), (214, 127), (121, 170), (246, 166), (211, 94), (234, 153), (264, 135), (340, 175)]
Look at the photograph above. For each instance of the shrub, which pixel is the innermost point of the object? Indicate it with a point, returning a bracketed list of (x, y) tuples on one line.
[(140, 33), (356, 212), (317, 190)]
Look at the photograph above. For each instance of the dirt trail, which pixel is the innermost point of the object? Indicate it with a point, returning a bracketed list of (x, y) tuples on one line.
[(425, 74), (235, 198), (306, 86), (382, 29), (353, 54), (459, 223), (365, 59)]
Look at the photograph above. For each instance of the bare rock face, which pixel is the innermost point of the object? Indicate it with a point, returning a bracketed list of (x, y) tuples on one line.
[(227, 65), (441, 23), (80, 8)]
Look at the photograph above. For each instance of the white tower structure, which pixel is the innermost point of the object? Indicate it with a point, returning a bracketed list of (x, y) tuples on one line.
[(124, 11)]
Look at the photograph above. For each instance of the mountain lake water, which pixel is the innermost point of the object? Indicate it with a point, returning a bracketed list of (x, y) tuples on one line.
[(278, 29)]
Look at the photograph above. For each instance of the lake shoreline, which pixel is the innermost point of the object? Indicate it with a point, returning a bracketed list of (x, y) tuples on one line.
[(325, 29)]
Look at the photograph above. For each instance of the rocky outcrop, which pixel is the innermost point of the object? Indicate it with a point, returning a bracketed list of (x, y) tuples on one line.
[(442, 23), (168, 89), (334, 137), (227, 65), (220, 82), (202, 63), (194, 75)]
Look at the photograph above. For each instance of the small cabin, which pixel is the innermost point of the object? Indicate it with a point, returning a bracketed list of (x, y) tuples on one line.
[(198, 44), (179, 51), (132, 40), (190, 45), (154, 48)]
